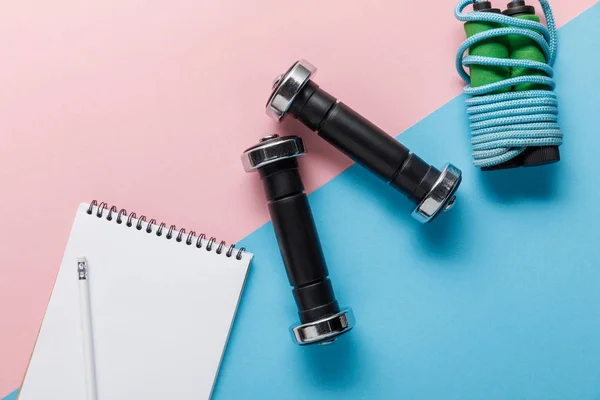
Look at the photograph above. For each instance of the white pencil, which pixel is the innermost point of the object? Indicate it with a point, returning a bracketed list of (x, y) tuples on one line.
[(86, 325)]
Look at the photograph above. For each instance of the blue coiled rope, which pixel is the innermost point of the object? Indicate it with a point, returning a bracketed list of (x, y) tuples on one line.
[(504, 125)]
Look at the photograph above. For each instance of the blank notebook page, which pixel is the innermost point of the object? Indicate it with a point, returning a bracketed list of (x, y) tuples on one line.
[(161, 312)]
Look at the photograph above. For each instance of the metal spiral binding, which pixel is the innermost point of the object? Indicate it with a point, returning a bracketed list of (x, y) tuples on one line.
[(120, 214)]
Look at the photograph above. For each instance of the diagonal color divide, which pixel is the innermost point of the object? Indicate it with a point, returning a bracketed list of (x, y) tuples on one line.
[(430, 287)]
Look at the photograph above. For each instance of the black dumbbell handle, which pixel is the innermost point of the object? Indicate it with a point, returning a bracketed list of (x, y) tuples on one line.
[(298, 240), (364, 142)]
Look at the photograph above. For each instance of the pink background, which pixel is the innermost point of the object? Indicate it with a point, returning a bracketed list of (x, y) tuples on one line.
[(148, 105)]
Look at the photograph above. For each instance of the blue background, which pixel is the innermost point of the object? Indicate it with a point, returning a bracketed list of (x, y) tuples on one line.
[(497, 299)]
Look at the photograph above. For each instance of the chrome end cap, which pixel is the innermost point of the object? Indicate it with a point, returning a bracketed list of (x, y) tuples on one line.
[(272, 148), (287, 86), (324, 331), (441, 197)]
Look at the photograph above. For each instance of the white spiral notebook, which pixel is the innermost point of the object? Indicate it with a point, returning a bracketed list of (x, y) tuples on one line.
[(162, 304)]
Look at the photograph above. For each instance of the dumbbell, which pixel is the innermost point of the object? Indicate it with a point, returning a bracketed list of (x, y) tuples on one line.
[(294, 93), (321, 318)]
